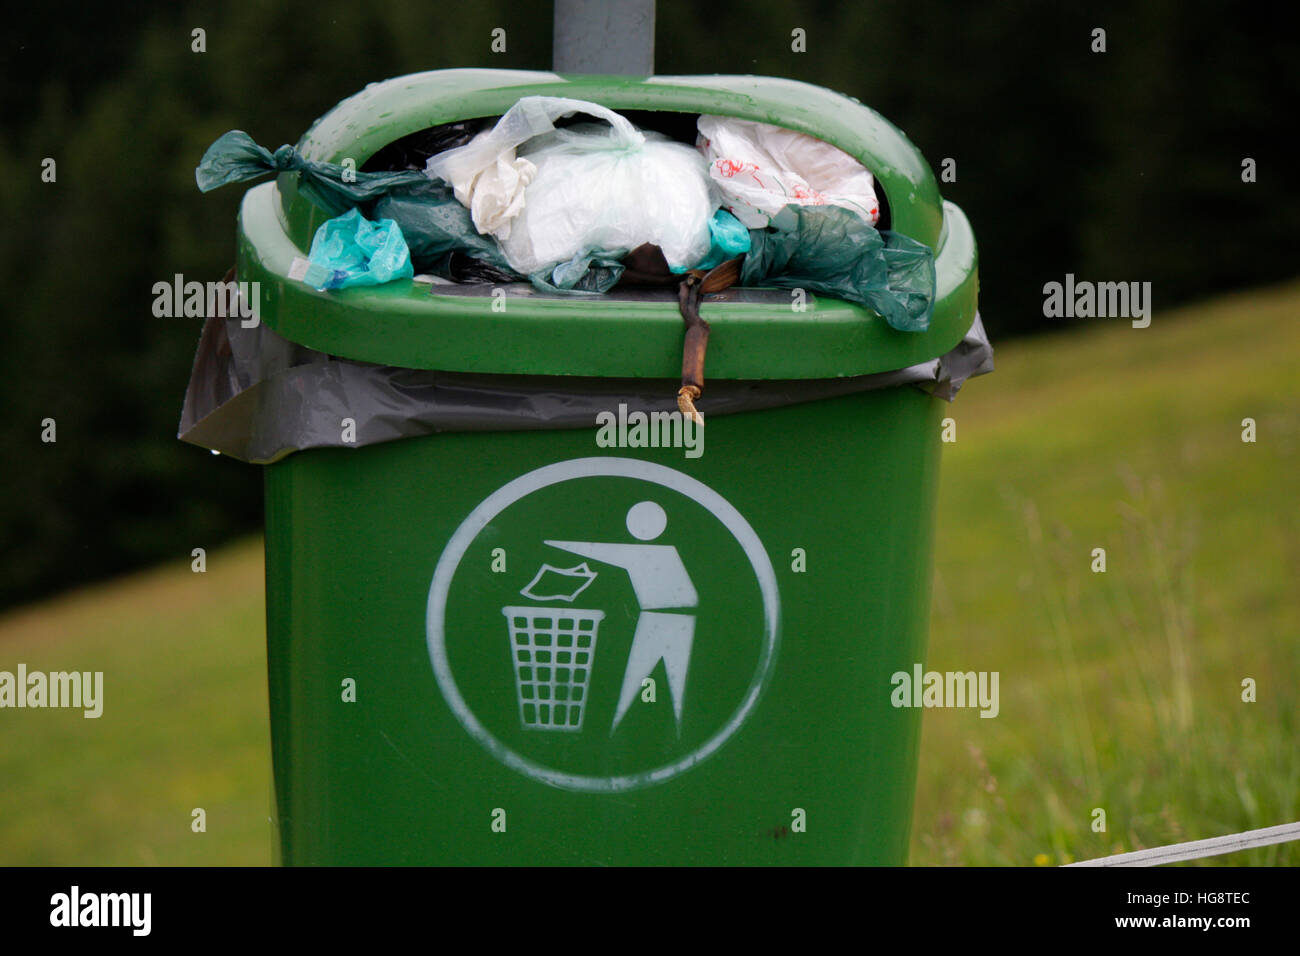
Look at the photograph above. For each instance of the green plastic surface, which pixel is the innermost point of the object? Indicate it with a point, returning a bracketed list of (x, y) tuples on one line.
[(354, 539)]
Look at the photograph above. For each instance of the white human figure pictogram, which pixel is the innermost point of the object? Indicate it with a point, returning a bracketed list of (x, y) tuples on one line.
[(664, 591)]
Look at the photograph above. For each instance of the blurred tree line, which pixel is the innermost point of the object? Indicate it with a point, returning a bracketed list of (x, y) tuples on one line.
[(1122, 165)]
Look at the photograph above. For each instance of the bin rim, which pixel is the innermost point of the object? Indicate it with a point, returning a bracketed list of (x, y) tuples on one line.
[(403, 324)]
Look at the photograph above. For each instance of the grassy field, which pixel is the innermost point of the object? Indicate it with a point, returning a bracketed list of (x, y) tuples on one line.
[(1120, 691), (185, 722)]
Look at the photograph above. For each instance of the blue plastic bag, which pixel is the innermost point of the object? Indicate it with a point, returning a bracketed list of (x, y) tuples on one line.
[(350, 250), (728, 238)]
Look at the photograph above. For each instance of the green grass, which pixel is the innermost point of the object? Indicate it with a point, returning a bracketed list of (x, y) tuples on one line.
[(184, 726), (1119, 691)]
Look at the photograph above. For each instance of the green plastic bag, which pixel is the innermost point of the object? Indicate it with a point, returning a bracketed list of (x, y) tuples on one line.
[(235, 158), (436, 224), (432, 221), (349, 250), (596, 271), (832, 251)]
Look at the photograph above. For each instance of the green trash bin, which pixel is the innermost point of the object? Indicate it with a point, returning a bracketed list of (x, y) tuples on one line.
[(547, 644)]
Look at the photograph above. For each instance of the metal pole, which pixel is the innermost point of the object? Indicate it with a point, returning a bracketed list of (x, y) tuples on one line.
[(1196, 849), (604, 36)]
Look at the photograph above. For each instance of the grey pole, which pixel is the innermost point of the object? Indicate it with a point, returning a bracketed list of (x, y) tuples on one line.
[(604, 36)]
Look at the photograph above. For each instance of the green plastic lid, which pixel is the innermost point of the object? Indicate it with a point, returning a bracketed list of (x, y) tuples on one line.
[(755, 335)]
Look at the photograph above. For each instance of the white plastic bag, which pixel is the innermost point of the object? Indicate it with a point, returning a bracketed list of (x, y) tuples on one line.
[(595, 188), (494, 194), (593, 193), (759, 169), (485, 173)]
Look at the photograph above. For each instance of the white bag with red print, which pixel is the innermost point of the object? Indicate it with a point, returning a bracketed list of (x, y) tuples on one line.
[(760, 169)]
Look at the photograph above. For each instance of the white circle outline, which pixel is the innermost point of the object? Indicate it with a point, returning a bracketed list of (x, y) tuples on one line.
[(544, 477)]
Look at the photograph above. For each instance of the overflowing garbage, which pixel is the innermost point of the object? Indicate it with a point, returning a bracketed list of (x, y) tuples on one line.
[(555, 196), (574, 198)]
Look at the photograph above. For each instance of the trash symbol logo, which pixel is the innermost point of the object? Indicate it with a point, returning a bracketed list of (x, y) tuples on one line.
[(665, 628), (673, 586), (554, 648)]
